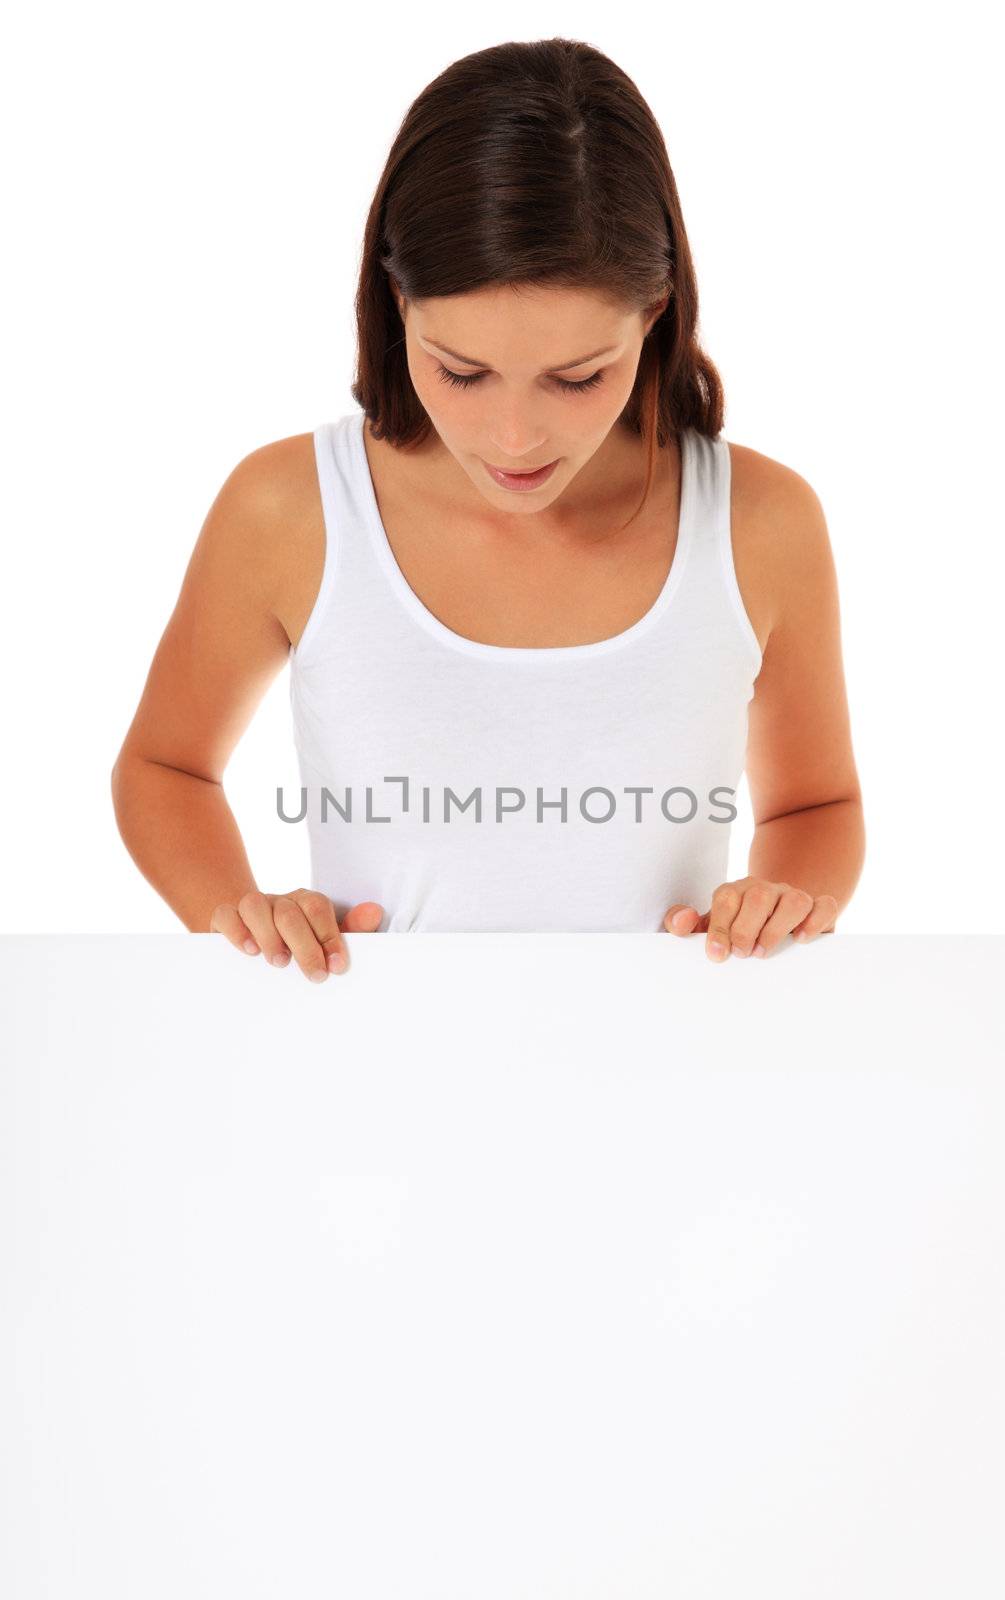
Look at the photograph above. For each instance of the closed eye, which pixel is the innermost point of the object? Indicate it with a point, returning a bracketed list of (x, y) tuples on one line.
[(460, 380)]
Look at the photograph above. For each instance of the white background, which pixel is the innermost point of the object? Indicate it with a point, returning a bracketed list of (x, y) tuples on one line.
[(185, 194)]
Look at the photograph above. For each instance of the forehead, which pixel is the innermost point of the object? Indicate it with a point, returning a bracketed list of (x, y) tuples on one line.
[(560, 328), (510, 308)]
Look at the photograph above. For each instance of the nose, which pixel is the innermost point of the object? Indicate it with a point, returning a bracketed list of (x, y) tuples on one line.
[(511, 451)]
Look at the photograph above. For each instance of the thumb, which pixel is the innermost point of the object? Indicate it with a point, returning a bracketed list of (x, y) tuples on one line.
[(690, 921), (363, 918)]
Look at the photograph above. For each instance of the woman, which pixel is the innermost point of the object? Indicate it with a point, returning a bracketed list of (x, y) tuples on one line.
[(518, 701)]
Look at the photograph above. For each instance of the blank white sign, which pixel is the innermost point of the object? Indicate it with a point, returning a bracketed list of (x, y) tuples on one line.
[(506, 1267)]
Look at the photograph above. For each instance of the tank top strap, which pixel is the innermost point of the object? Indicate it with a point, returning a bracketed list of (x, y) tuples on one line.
[(347, 556), (338, 475), (713, 595), (706, 472)]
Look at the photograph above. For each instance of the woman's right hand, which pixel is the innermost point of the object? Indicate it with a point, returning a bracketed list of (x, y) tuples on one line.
[(301, 924)]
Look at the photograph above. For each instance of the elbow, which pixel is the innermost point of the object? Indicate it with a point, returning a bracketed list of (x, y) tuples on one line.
[(120, 771), (115, 789), (124, 761)]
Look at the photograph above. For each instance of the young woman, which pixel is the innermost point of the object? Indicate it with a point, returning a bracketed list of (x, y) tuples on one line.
[(539, 614)]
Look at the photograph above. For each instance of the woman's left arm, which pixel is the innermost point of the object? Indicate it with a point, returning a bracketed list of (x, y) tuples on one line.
[(808, 848), (804, 786)]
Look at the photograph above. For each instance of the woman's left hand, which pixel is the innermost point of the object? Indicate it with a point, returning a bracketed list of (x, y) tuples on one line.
[(754, 914)]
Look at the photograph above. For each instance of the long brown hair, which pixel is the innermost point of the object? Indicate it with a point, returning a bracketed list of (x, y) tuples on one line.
[(533, 162)]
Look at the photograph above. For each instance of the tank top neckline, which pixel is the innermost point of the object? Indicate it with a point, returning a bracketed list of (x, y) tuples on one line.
[(529, 653)]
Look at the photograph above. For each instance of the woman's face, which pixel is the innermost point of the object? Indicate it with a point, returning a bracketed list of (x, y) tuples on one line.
[(501, 374)]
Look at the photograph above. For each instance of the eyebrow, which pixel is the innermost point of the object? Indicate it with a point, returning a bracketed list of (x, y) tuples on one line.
[(469, 361)]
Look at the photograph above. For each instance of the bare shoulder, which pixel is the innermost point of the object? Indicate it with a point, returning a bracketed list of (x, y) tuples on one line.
[(799, 746), (225, 640), (781, 546), (279, 472), (275, 490)]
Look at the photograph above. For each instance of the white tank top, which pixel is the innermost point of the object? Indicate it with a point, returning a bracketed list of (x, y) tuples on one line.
[(475, 787)]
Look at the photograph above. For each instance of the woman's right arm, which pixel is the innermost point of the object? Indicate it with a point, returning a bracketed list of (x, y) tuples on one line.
[(221, 649)]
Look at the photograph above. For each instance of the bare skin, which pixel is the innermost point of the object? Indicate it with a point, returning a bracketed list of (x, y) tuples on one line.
[(549, 568)]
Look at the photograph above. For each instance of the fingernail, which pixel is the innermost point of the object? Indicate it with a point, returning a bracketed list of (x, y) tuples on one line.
[(336, 961), (715, 948), (316, 975), (759, 950), (251, 947), (738, 952), (281, 958), (678, 919)]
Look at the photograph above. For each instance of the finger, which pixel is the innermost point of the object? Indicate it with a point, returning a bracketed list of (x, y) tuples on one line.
[(255, 909), (226, 919), (314, 936), (821, 919), (681, 919), (726, 902), (759, 901), (364, 918), (793, 905)]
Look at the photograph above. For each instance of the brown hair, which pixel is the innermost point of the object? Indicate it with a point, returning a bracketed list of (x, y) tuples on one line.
[(533, 162)]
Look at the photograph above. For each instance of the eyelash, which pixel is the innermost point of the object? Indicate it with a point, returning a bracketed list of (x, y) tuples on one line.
[(464, 380)]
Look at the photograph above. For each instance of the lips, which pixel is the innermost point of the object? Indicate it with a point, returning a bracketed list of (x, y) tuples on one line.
[(530, 479)]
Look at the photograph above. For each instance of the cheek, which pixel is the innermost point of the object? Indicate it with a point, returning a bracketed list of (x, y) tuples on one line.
[(454, 421), (457, 409)]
